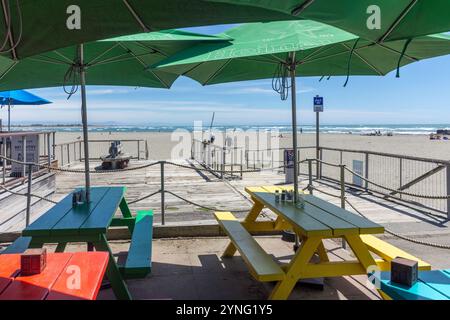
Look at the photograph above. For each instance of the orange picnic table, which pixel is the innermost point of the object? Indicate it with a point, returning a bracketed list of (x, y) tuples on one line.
[(67, 276)]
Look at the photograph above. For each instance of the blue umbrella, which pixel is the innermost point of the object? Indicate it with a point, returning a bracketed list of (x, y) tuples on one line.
[(19, 98)]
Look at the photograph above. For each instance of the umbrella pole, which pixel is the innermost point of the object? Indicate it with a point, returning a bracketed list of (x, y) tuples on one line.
[(292, 69), (84, 120)]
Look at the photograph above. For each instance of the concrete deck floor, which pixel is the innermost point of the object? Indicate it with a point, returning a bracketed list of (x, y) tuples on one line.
[(192, 269)]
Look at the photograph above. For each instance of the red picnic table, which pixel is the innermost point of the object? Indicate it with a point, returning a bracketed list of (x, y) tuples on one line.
[(67, 276)]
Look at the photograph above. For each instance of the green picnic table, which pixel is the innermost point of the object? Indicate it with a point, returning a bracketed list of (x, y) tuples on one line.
[(65, 223)]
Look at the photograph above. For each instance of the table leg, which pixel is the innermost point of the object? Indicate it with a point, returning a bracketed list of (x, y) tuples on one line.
[(322, 252), (90, 246), (251, 217), (126, 213), (361, 251), (117, 283), (35, 244), (304, 254)]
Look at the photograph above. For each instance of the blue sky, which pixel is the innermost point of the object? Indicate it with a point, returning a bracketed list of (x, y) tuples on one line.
[(421, 95)]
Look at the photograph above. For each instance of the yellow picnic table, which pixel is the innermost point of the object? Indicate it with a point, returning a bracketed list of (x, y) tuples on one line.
[(316, 221)]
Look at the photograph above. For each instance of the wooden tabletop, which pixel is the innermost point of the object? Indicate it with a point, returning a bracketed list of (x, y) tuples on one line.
[(67, 276), (92, 218), (317, 217)]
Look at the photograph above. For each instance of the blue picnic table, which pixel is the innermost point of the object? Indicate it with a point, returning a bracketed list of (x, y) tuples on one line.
[(432, 285), (89, 223)]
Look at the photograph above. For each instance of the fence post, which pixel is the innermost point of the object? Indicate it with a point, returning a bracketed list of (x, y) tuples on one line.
[(448, 190), (310, 176), (342, 182), (246, 158), (49, 159), (30, 181), (163, 214), (24, 159), (54, 145), (321, 164), (62, 155), (139, 149), (68, 153), (401, 177), (4, 151), (366, 173), (146, 150), (80, 150)]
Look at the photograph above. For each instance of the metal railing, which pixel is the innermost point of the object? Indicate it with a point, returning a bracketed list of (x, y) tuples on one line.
[(417, 175), (70, 152)]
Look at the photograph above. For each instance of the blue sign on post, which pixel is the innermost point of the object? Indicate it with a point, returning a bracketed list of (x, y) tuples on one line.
[(318, 104)]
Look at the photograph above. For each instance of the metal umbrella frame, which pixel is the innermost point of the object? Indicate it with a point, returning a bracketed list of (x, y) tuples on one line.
[(117, 61)]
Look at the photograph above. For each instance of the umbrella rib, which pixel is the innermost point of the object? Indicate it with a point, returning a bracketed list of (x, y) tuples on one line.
[(364, 60), (145, 66), (63, 56), (92, 62), (136, 16), (398, 20), (10, 33), (217, 72), (9, 69), (152, 48), (395, 51), (319, 50), (50, 60), (298, 10)]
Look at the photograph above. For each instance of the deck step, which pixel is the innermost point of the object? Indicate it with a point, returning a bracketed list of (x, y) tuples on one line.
[(262, 266), (137, 263)]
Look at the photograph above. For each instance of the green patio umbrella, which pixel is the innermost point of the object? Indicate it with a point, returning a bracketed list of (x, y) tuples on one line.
[(286, 49), (31, 27), (118, 61), (376, 20)]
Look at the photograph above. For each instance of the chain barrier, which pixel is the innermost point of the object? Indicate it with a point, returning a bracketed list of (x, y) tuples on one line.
[(395, 234)]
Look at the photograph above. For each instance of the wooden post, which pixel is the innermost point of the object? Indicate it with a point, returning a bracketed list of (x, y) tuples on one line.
[(163, 215), (401, 176), (68, 153), (80, 150)]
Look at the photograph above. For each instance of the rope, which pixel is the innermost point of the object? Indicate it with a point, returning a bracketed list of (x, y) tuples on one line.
[(31, 194), (350, 62), (401, 57), (144, 197), (202, 206), (8, 27), (430, 244), (280, 81)]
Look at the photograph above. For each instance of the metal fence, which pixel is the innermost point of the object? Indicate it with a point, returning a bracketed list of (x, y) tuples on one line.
[(415, 175), (73, 151)]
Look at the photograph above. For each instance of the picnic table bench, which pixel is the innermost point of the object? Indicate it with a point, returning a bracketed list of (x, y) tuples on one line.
[(316, 221), (63, 224), (57, 281)]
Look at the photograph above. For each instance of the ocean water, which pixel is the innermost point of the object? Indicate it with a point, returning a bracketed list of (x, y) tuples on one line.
[(403, 129)]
